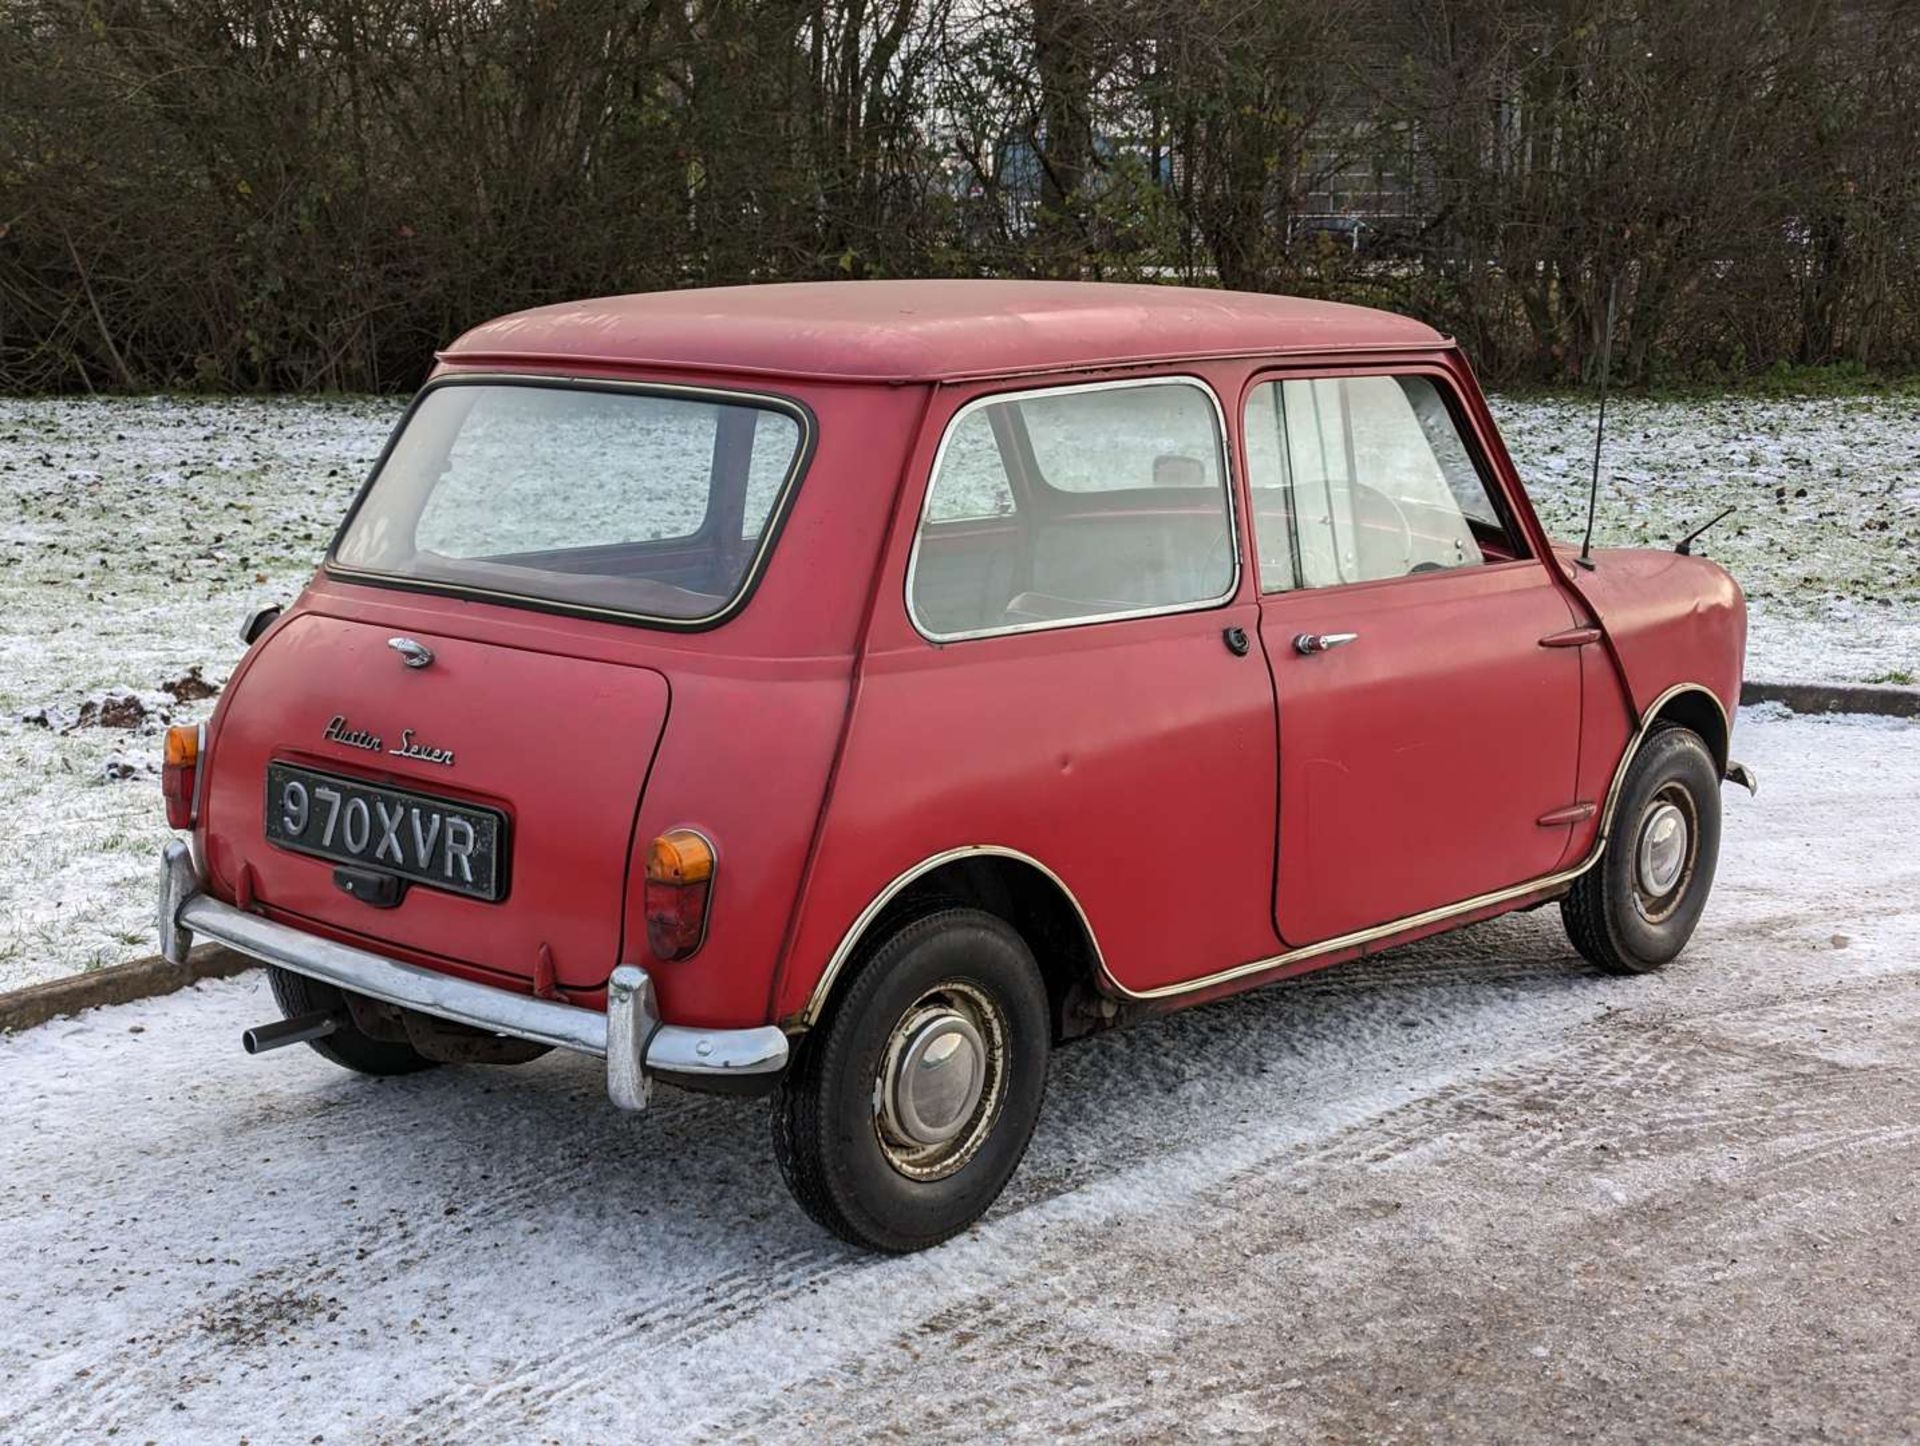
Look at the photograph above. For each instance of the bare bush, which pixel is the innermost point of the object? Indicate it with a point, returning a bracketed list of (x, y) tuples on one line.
[(302, 194)]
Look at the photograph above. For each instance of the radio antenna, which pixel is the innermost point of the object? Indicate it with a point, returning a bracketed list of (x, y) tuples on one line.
[(1585, 559)]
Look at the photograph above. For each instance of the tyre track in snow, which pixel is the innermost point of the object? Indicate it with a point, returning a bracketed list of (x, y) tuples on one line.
[(1139, 1156), (1332, 1121), (432, 1116), (519, 1259), (513, 1180), (525, 1394), (1694, 1192), (1195, 1070), (1408, 1126)]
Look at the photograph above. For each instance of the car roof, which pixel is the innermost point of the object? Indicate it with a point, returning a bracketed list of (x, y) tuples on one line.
[(899, 331)]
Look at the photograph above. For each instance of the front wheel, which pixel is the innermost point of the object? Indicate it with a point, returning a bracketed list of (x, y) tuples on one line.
[(907, 1110), (1635, 910)]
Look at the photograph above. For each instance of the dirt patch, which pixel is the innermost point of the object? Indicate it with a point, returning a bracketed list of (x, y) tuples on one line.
[(190, 687), (259, 1315), (118, 709)]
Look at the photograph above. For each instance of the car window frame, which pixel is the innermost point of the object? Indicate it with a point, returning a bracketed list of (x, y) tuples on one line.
[(1224, 439), (777, 514), (1446, 384)]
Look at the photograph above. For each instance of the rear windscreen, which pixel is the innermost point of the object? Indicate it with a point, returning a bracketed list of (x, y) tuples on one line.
[(649, 503)]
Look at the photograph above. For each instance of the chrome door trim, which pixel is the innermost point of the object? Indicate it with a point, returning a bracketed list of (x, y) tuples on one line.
[(850, 940), (1311, 644), (1363, 937), (1223, 439)]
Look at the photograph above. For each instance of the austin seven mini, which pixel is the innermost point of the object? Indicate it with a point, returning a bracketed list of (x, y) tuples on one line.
[(848, 692)]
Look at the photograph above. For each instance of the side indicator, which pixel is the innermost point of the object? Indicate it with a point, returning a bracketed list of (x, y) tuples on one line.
[(680, 869)]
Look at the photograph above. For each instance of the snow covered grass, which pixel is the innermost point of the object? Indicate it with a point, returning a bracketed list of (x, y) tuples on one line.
[(1826, 540), (133, 536), (135, 533)]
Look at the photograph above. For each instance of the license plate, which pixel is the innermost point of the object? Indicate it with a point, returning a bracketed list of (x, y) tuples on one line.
[(431, 841)]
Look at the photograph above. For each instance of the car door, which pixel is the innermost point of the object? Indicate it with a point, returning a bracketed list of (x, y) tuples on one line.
[(1428, 741)]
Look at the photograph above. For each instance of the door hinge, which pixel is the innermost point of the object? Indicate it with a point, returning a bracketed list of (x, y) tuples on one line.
[(1571, 638), (1572, 813)]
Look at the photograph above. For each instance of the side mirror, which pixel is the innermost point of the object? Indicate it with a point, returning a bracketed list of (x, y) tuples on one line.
[(258, 621)]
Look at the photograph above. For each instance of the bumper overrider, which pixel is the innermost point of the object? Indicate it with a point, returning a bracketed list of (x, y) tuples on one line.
[(630, 1036)]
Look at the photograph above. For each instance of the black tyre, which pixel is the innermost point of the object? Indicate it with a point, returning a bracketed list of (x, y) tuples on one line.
[(1635, 910), (347, 1046), (910, 1105)]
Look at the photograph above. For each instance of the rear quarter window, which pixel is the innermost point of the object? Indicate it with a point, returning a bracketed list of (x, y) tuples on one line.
[(1072, 505)]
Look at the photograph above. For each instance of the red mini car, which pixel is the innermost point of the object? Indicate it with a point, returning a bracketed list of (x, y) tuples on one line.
[(850, 691)]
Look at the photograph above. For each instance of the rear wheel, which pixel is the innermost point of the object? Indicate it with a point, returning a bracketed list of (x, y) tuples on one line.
[(1635, 910), (909, 1107), (347, 1046)]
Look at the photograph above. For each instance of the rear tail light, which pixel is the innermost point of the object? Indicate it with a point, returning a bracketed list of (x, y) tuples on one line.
[(180, 773), (679, 888)]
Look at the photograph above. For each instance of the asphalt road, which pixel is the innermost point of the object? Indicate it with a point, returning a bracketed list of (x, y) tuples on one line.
[(1467, 1191)]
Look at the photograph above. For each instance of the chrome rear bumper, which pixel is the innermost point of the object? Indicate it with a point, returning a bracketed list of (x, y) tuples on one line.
[(629, 1035)]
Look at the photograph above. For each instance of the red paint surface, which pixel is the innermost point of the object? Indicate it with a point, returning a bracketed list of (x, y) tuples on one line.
[(1671, 620), (826, 747), (892, 331), (1416, 760), (498, 709)]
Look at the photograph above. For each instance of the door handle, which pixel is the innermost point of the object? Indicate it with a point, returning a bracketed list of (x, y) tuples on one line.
[(1311, 643)]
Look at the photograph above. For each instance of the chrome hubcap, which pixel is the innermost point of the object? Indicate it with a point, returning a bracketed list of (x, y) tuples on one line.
[(937, 1079), (940, 1081), (1663, 853), (1663, 849)]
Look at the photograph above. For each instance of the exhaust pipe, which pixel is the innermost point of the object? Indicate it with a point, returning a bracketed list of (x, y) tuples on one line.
[(283, 1032)]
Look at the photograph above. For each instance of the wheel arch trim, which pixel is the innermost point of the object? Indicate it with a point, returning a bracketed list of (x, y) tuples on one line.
[(1650, 718), (863, 922)]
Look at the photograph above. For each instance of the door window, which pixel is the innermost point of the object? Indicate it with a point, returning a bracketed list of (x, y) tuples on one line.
[(1356, 479), (1049, 508)]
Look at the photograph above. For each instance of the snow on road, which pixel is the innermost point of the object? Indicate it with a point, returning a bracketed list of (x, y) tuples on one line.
[(1467, 1190), (134, 533)]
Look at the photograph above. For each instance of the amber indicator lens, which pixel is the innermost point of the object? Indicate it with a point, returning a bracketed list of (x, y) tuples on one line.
[(679, 888), (180, 764)]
